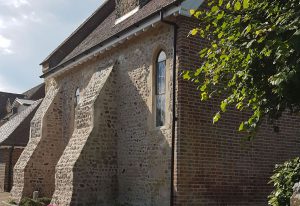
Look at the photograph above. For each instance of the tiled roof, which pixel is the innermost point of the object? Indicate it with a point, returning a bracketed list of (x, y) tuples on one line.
[(24, 101), (35, 93), (3, 101), (16, 131), (107, 28)]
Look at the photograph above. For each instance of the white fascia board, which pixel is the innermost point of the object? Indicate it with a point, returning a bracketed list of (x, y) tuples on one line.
[(114, 43), (187, 5)]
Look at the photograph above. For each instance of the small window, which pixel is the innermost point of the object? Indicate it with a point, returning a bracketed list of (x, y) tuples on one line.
[(160, 89), (77, 96)]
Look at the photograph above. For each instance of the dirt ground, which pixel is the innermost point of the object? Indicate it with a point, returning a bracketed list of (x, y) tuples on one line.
[(3, 197)]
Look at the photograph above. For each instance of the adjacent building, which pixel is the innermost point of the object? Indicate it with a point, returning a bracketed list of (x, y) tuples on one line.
[(16, 112)]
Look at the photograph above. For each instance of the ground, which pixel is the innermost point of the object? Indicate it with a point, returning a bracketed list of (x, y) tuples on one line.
[(4, 197)]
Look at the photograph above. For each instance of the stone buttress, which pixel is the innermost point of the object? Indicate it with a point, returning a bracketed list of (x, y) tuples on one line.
[(35, 168), (86, 173)]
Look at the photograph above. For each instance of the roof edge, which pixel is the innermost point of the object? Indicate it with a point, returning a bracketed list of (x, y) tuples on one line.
[(102, 11), (53, 70)]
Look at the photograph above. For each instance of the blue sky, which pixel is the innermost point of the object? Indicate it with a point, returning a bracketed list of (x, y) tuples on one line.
[(29, 31)]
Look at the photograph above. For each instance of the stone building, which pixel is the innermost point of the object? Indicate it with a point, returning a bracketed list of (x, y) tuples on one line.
[(16, 112), (118, 126)]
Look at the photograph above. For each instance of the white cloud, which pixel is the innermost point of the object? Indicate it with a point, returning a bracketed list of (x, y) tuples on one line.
[(15, 3), (31, 17), (2, 24), (5, 44), (30, 30)]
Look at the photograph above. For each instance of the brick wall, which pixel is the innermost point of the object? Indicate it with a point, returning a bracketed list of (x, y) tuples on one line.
[(4, 164), (6, 170), (214, 166), (15, 157)]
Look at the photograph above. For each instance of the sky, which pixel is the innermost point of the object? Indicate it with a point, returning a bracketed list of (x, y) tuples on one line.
[(29, 31)]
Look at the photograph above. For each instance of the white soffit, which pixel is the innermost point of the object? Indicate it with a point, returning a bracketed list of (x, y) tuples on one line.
[(187, 5)]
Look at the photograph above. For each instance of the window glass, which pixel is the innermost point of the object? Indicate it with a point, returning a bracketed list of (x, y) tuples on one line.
[(77, 96), (160, 89)]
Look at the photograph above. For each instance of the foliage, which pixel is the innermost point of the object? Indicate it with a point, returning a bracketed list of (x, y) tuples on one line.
[(30, 202), (40, 202), (44, 200), (12, 202), (284, 178), (253, 57)]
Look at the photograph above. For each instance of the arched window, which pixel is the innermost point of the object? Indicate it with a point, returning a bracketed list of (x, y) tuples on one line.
[(77, 96), (160, 89)]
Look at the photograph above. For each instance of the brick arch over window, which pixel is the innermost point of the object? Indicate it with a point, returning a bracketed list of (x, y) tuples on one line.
[(160, 88)]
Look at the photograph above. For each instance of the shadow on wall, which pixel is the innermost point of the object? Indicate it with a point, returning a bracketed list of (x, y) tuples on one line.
[(35, 168), (124, 160)]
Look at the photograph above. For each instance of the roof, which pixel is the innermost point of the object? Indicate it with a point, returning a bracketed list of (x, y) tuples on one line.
[(106, 27), (80, 33), (3, 101), (36, 93), (16, 131), (24, 101)]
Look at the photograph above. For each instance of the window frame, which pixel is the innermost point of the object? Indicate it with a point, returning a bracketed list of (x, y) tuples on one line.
[(77, 96), (161, 58)]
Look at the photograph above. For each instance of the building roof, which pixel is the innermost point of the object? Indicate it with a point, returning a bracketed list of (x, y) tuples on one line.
[(4, 97), (16, 131), (80, 33), (23, 101), (35, 93), (108, 28), (104, 30)]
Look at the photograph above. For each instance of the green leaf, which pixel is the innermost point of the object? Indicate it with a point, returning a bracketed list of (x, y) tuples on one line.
[(228, 5), (203, 51), (246, 4), (194, 32), (192, 12), (224, 25), (214, 9), (204, 96), (220, 2), (203, 88), (248, 28), (220, 15), (216, 117), (197, 14), (238, 19), (237, 6), (223, 106), (220, 35), (186, 75), (207, 27), (239, 105), (242, 126)]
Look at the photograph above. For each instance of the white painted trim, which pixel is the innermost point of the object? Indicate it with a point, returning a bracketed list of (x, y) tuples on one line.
[(114, 43), (9, 147), (126, 16)]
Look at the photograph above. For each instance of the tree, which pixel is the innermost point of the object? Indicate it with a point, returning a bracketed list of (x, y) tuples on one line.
[(253, 57)]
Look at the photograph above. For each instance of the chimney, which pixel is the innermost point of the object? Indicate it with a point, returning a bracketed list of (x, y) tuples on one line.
[(125, 6)]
